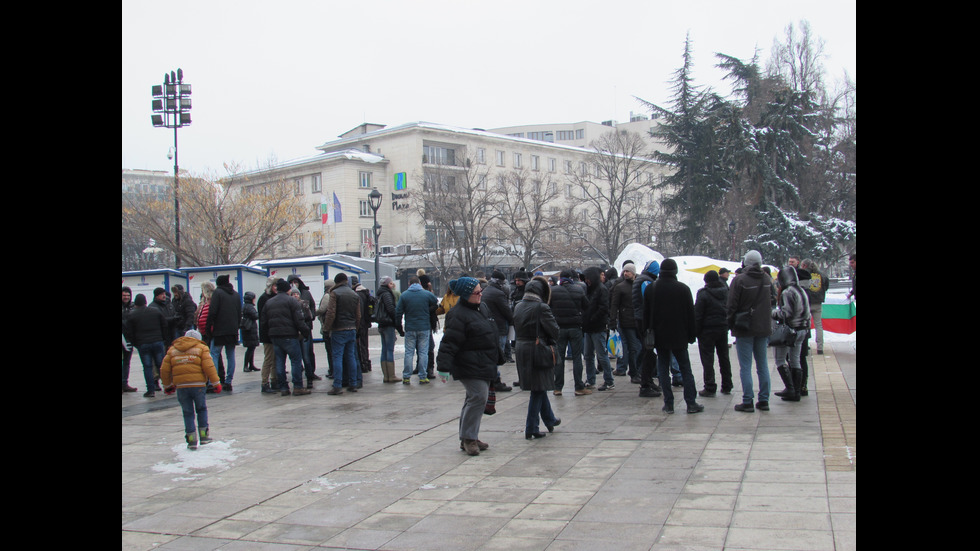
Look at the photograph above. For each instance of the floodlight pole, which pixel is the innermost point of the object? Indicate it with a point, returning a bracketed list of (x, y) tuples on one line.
[(174, 101)]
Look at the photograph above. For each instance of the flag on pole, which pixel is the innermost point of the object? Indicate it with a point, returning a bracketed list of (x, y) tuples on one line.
[(324, 211), (336, 209)]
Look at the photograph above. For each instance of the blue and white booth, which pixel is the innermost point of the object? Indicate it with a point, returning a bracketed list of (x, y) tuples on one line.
[(144, 281), (243, 278)]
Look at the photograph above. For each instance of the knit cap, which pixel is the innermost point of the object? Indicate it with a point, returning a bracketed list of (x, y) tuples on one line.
[(464, 287)]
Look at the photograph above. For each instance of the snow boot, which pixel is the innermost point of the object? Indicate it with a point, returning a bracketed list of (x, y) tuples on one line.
[(191, 439), (205, 438)]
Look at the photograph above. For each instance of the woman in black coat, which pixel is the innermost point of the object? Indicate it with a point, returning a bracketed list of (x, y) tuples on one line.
[(250, 331), (470, 352), (533, 317)]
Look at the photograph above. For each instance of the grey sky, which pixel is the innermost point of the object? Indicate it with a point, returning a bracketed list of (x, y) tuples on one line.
[(277, 79)]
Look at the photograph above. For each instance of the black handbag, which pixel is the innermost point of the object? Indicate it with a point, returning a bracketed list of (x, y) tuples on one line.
[(545, 354), (782, 335), (743, 320), (649, 339)]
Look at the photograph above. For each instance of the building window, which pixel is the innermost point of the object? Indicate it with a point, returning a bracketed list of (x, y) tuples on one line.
[(298, 186), (318, 239), (568, 167), (569, 191), (565, 135), (500, 158), (481, 155), (545, 136), (580, 134), (366, 236), (481, 183), (438, 155), (364, 208), (316, 187), (535, 162), (517, 160), (299, 241), (552, 165), (365, 180)]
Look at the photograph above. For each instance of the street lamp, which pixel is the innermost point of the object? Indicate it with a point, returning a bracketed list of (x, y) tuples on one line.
[(375, 200), (173, 101)]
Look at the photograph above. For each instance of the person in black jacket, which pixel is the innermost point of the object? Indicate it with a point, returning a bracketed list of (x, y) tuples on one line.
[(127, 345), (568, 303), (184, 309), (147, 330), (470, 352), (595, 323), (711, 325), (533, 319), (282, 317), (388, 324), (224, 319), (669, 310), (496, 299), (268, 375), (250, 331)]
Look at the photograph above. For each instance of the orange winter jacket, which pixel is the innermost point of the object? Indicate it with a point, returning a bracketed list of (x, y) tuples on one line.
[(188, 364)]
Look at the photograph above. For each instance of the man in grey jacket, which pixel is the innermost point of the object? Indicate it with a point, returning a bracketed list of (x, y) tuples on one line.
[(748, 318)]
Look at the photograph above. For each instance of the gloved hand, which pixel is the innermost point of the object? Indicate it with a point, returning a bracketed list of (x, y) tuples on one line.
[(170, 390), (217, 388)]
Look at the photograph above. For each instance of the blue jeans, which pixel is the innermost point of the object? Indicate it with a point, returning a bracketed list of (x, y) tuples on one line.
[(192, 401), (538, 406), (596, 347), (632, 347), (569, 336), (151, 354), (746, 348), (387, 343), (416, 341), (229, 357), (344, 344), (287, 346), (666, 356)]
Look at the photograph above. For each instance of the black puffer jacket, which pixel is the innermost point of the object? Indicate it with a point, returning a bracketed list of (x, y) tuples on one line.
[(595, 319), (568, 303), (470, 348), (669, 309), (710, 308), (225, 312), (621, 305), (495, 298), (282, 316), (146, 325)]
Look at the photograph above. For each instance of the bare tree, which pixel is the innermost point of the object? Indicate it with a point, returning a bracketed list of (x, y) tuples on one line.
[(220, 223), (454, 199), (619, 170), (528, 211)]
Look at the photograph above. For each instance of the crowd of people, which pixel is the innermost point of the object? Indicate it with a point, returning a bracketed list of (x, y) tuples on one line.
[(535, 321)]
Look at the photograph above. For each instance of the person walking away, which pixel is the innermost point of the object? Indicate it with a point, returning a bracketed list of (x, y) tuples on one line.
[(250, 331), (187, 367), (748, 313), (414, 306), (533, 319), (321, 312), (816, 292), (792, 309), (669, 309), (282, 315), (224, 317), (711, 326), (148, 330), (470, 352), (306, 352), (342, 318)]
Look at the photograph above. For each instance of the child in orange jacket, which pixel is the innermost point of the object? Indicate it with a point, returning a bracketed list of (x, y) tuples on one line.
[(187, 367)]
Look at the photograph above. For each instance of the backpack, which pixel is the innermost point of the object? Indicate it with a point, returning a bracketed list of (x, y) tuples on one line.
[(372, 306)]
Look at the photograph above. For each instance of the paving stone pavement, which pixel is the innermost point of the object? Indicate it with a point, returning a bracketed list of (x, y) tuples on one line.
[(382, 469)]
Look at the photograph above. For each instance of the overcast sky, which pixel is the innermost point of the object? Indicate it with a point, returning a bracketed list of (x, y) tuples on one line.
[(277, 79)]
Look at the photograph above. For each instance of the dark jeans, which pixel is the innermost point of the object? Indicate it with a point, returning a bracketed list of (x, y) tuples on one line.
[(709, 344), (569, 336), (193, 402), (663, 371), (632, 348), (151, 355), (538, 407), (287, 347)]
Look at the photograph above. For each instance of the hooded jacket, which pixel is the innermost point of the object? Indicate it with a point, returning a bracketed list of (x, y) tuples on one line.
[(224, 311), (595, 319), (496, 299), (710, 307), (793, 305), (669, 309), (751, 291), (415, 304), (188, 364), (533, 318)]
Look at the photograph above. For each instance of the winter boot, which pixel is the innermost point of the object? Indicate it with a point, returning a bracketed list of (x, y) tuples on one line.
[(797, 375), (393, 377), (204, 436), (802, 385), (191, 439), (787, 378)]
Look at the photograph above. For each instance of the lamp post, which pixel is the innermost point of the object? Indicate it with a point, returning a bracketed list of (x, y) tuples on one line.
[(173, 101), (375, 200)]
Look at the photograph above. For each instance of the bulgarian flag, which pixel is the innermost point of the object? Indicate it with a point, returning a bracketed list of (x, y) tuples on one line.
[(324, 210), (839, 315)]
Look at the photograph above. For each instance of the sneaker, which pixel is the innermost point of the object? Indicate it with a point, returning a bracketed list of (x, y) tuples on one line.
[(334, 391), (557, 393), (148, 394), (745, 407), (669, 410), (191, 440), (407, 381), (607, 386), (695, 408), (300, 391), (423, 381), (648, 392), (582, 392), (619, 373), (764, 406)]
